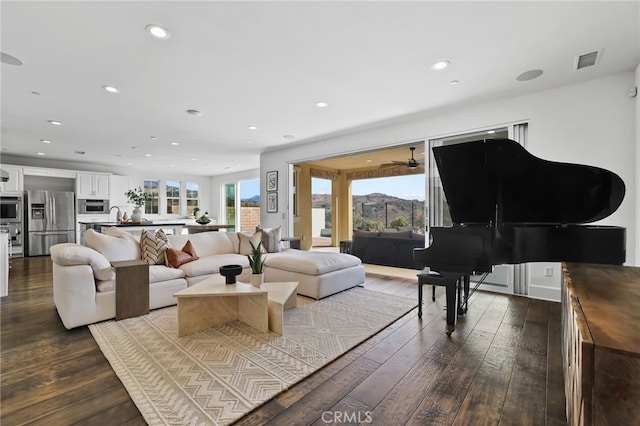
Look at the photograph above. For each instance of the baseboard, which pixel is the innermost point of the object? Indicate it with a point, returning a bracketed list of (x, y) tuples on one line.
[(544, 293)]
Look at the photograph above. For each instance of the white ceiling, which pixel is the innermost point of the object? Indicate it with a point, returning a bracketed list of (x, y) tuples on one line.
[(267, 63)]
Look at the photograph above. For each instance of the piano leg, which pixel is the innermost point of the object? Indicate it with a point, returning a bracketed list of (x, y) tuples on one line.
[(451, 285), (467, 280), (419, 298)]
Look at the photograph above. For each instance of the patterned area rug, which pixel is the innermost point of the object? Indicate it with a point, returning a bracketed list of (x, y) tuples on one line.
[(218, 375)]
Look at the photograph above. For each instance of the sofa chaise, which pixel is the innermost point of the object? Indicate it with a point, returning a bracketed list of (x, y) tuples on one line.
[(84, 280)]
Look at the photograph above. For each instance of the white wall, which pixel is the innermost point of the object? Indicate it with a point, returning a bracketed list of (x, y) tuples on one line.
[(637, 167), (592, 123)]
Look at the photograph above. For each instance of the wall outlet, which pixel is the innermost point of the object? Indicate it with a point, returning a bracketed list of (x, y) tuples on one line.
[(548, 271)]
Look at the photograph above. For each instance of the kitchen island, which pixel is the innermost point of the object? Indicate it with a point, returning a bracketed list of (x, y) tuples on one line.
[(194, 229), (135, 228)]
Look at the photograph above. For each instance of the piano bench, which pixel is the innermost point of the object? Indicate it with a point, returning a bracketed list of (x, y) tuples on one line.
[(435, 279)]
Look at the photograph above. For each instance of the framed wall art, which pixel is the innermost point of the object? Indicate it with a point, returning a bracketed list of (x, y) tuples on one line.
[(272, 181), (272, 202)]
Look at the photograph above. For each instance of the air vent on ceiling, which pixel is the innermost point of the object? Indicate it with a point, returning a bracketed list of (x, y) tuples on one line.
[(587, 60), (80, 152)]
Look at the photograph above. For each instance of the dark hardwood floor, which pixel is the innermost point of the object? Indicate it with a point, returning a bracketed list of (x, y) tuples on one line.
[(501, 366)]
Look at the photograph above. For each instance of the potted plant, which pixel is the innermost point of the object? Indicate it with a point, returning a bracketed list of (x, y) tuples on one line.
[(137, 197), (256, 261)]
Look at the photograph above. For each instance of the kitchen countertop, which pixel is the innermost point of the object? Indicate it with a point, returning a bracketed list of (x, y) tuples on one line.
[(124, 224)]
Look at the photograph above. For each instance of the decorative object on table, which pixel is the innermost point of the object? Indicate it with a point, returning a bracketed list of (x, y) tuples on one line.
[(204, 219), (138, 198), (256, 261), (272, 180), (272, 202), (196, 210), (229, 272)]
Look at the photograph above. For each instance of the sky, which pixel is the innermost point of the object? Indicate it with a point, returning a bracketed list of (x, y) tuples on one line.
[(408, 187)]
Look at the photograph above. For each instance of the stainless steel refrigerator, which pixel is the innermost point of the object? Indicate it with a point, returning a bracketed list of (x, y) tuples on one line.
[(50, 219)]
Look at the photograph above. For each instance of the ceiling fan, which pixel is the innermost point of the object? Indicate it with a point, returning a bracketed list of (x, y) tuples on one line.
[(411, 163)]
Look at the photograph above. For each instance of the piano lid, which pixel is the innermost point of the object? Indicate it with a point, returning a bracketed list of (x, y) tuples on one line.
[(498, 181)]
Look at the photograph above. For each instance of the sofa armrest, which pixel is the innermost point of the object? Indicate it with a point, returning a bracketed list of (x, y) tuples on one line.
[(74, 294), (70, 254)]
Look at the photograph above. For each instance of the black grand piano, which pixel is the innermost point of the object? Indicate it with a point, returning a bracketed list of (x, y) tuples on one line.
[(508, 206)]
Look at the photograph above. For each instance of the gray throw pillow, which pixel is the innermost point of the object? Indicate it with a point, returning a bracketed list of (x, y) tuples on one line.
[(271, 239)]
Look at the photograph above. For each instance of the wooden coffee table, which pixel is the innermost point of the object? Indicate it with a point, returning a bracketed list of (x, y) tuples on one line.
[(212, 302)]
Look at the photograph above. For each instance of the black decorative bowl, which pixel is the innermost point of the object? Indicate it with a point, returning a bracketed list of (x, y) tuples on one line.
[(203, 222), (229, 272)]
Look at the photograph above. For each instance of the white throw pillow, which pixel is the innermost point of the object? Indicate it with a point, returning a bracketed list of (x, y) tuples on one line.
[(246, 240), (113, 248), (119, 233)]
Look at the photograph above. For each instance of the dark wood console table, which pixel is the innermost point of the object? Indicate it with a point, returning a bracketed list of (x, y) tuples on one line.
[(601, 344), (132, 288)]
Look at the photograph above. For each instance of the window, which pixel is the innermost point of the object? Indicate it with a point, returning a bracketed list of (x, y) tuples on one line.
[(151, 187), (242, 204), (173, 197), (192, 197)]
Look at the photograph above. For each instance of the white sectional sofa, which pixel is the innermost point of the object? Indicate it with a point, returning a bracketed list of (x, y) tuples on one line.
[(84, 281)]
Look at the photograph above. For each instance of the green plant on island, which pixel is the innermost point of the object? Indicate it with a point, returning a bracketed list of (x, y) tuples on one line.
[(256, 259), (137, 196)]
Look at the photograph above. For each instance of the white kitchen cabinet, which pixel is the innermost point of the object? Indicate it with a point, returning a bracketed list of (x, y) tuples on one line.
[(15, 179), (119, 186), (92, 185)]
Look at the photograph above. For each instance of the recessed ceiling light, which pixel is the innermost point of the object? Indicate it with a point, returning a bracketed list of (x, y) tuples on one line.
[(253, 128), (128, 164), (45, 141), (110, 89), (158, 32), (135, 148), (5, 58), (194, 112), (454, 82), (147, 155), (175, 143), (118, 155), (153, 138), (36, 93), (249, 141), (322, 104), (55, 122), (491, 132), (440, 65), (193, 158), (40, 153), (529, 75)]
